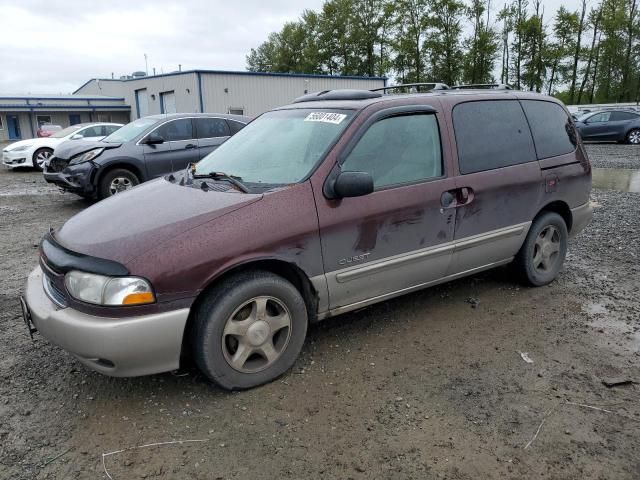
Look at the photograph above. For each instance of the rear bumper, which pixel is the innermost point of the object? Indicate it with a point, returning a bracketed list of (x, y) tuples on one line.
[(581, 217), (119, 347)]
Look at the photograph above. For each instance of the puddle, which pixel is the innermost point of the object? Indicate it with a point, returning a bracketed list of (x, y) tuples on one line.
[(620, 179), (606, 321)]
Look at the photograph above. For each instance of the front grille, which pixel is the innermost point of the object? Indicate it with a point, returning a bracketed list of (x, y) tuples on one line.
[(57, 164), (53, 292)]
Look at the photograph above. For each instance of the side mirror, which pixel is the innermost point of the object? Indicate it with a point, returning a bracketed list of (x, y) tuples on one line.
[(154, 139), (353, 184), (77, 136)]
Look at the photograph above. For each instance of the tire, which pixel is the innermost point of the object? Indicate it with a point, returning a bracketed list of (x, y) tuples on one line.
[(541, 256), (39, 156), (230, 345), (633, 137), (116, 181)]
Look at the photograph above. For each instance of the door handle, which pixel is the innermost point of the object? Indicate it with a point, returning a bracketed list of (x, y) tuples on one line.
[(465, 195), (190, 146), (457, 197)]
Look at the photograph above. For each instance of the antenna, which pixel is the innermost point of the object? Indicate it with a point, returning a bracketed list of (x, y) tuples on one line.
[(146, 64)]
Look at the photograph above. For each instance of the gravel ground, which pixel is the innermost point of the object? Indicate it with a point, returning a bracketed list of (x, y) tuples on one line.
[(431, 385), (608, 155)]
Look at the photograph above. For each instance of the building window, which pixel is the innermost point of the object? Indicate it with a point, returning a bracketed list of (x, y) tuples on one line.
[(236, 110), (1, 124), (43, 119)]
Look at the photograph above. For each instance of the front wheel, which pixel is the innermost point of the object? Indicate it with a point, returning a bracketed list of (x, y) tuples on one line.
[(249, 330), (633, 137), (116, 181), (541, 257), (40, 157)]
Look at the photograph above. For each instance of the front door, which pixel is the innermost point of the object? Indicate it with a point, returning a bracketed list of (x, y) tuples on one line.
[(13, 127), (596, 127), (398, 237), (74, 119), (499, 185), (179, 149)]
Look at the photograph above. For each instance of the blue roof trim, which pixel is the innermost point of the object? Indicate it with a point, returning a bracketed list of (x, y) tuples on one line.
[(230, 72), (69, 98), (10, 107)]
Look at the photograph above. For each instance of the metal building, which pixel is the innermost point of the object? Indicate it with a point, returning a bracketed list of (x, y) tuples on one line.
[(20, 115), (243, 93), (129, 98)]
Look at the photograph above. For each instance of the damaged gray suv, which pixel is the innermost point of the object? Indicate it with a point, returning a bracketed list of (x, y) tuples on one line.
[(144, 149)]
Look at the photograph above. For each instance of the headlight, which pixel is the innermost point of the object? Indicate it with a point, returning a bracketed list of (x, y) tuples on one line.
[(101, 290), (21, 148), (86, 156)]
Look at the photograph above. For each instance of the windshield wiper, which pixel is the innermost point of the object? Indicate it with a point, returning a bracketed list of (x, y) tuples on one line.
[(234, 180)]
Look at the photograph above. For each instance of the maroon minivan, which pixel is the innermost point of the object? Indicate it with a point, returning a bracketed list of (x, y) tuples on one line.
[(340, 200)]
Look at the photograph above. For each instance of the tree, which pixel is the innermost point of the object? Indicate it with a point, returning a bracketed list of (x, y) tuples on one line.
[(564, 29), (481, 47), (576, 55), (444, 46), (412, 21)]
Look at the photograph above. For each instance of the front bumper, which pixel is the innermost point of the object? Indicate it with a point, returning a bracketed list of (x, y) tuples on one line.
[(75, 178), (15, 159), (119, 347), (581, 217)]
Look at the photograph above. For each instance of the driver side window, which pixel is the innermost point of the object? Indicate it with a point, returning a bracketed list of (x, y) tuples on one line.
[(398, 150)]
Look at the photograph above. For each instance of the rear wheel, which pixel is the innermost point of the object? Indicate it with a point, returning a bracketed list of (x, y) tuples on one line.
[(541, 257), (40, 156), (633, 137), (249, 330), (116, 181)]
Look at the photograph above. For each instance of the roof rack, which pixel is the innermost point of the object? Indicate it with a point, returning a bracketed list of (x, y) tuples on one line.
[(480, 86), (415, 87)]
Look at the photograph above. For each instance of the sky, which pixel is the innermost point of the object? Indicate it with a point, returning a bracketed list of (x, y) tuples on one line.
[(54, 46)]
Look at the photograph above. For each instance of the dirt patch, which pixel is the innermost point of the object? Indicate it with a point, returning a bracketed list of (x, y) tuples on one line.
[(430, 385)]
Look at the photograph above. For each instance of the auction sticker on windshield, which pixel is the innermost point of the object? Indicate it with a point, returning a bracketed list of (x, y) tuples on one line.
[(326, 117)]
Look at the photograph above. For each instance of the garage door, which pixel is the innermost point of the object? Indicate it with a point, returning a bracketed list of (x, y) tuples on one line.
[(168, 102), (142, 102)]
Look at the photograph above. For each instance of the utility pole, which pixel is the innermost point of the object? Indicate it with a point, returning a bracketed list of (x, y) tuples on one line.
[(146, 65)]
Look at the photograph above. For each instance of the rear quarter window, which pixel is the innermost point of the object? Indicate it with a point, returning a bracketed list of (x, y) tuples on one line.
[(552, 129), (491, 134)]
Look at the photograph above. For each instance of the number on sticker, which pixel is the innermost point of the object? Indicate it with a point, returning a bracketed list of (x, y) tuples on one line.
[(327, 117)]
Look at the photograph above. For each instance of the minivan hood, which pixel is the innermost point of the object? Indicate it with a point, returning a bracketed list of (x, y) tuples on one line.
[(127, 225), (72, 148)]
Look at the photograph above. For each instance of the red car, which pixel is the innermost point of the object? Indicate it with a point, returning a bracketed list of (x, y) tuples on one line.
[(47, 130)]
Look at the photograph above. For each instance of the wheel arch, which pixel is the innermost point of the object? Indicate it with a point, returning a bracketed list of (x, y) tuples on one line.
[(118, 164), (561, 208), (287, 270)]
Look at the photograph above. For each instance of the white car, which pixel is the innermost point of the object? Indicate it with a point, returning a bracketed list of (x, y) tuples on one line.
[(34, 152)]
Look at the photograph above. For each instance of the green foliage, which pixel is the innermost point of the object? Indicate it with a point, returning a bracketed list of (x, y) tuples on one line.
[(578, 56)]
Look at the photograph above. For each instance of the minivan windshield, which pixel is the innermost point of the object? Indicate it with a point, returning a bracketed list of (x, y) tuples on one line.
[(130, 130), (279, 147), (66, 131)]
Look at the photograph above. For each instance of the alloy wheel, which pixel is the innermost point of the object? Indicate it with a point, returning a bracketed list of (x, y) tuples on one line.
[(42, 157), (634, 137), (256, 334), (119, 184), (546, 249)]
